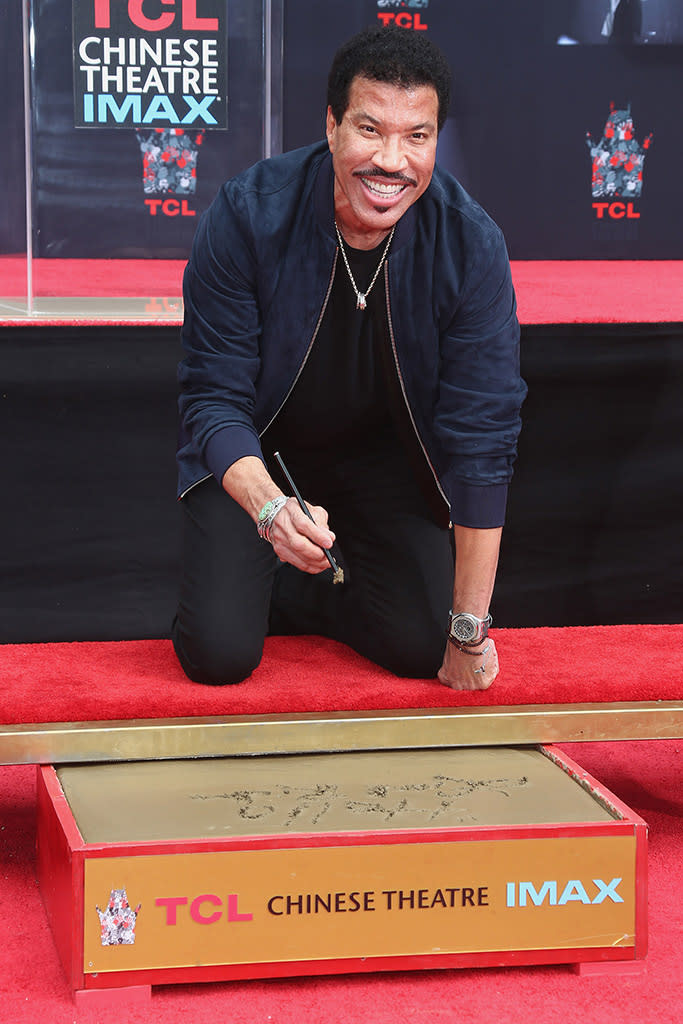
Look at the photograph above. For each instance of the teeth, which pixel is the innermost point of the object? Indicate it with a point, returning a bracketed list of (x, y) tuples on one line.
[(383, 189)]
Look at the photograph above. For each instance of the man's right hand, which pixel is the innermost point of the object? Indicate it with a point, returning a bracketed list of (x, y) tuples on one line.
[(297, 540), (294, 537)]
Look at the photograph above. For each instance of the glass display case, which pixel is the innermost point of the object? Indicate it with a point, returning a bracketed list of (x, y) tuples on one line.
[(122, 121)]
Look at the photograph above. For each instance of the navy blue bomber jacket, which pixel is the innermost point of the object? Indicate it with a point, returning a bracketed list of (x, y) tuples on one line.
[(255, 291)]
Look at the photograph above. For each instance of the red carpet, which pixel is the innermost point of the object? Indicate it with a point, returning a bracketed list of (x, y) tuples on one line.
[(141, 679), (646, 775), (548, 291)]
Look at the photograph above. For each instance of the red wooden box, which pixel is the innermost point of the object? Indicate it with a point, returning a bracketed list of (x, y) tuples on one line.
[(158, 872)]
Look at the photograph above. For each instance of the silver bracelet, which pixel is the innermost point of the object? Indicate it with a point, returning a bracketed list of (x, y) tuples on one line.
[(482, 668), (266, 516)]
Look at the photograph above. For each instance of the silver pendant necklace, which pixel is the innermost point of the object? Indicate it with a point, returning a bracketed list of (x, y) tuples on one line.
[(361, 297)]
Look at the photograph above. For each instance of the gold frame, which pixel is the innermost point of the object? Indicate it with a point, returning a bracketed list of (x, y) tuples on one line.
[(253, 735)]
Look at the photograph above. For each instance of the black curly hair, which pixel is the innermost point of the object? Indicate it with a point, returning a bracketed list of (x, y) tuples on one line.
[(398, 56)]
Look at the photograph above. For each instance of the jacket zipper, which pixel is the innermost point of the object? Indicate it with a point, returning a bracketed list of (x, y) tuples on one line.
[(299, 371), (310, 346), (403, 389)]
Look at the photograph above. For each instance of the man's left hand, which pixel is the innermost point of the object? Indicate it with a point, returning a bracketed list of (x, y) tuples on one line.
[(473, 670)]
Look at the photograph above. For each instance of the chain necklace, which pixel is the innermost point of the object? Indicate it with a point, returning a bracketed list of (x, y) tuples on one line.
[(361, 297)]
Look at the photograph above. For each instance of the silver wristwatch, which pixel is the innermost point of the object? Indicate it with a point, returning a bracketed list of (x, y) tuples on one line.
[(467, 629)]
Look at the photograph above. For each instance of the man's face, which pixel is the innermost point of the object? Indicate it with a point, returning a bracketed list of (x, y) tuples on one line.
[(383, 153)]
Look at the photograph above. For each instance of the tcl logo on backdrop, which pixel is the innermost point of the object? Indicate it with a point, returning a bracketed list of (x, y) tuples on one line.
[(404, 13), (617, 167)]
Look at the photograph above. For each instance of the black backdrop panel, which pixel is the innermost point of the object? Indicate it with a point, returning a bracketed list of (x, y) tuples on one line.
[(89, 521), (89, 545), (89, 196), (13, 219), (521, 109), (594, 517), (516, 136)]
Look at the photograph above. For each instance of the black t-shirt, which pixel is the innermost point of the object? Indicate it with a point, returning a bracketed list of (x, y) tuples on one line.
[(347, 400), (341, 397)]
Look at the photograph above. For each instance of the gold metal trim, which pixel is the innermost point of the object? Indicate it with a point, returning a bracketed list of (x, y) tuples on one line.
[(241, 736)]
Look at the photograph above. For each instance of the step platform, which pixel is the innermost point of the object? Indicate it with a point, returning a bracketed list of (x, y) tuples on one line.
[(202, 870)]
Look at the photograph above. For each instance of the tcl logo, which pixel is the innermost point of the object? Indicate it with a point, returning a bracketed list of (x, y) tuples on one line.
[(615, 211), (403, 19), (190, 20), (170, 207), (205, 909), (399, 15)]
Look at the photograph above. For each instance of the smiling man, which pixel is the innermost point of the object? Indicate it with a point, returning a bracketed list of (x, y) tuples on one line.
[(383, 151), (349, 306)]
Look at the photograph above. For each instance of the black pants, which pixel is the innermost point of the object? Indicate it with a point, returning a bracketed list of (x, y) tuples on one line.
[(398, 565)]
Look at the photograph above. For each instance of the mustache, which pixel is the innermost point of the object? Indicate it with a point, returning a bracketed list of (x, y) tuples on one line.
[(391, 176)]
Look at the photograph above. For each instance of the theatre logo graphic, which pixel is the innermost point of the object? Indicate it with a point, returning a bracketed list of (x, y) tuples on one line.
[(169, 169), (161, 71), (118, 920), (617, 162), (155, 68)]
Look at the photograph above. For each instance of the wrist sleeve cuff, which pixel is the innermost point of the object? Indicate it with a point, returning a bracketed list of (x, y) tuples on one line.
[(228, 445), (477, 506)]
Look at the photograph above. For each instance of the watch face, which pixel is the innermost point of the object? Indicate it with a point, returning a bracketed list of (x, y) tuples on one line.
[(463, 628)]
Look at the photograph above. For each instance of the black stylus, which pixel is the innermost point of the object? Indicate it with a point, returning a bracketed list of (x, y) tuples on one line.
[(338, 571)]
